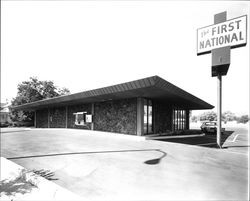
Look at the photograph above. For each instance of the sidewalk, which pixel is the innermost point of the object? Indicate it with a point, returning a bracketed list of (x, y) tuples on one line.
[(19, 184)]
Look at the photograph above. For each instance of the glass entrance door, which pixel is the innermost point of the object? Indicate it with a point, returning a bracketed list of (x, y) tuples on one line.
[(148, 116), (179, 119)]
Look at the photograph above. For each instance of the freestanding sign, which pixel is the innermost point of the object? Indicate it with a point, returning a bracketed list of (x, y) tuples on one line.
[(219, 39), (231, 33)]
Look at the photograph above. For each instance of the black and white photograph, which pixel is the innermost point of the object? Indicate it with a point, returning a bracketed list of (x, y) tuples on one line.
[(124, 100)]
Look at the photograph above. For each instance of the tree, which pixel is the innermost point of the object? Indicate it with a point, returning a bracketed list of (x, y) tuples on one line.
[(211, 116), (34, 90), (194, 118), (228, 116)]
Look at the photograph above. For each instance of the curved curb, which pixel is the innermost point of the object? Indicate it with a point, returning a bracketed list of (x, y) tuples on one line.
[(175, 136), (43, 189)]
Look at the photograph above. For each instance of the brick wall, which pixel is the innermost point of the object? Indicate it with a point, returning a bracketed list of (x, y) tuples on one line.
[(163, 117), (58, 117), (42, 118), (78, 108), (116, 116)]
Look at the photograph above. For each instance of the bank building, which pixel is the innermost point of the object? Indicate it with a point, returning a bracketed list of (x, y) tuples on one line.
[(146, 106)]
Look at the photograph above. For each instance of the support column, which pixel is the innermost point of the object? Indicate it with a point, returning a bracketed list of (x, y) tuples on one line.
[(35, 119), (48, 118), (92, 112), (187, 120), (66, 119), (172, 120), (140, 117), (154, 116)]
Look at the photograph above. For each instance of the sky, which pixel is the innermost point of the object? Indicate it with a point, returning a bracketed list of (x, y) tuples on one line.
[(84, 45)]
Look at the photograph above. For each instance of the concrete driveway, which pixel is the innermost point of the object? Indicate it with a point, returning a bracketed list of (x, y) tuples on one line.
[(104, 166)]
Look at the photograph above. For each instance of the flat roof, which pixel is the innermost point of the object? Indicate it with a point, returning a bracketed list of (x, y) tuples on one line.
[(151, 87)]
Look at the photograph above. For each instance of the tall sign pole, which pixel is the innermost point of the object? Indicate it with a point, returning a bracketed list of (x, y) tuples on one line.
[(220, 58), (219, 109), (219, 39)]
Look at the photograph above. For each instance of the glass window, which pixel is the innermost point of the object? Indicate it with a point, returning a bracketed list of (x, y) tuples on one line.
[(176, 120), (150, 119), (179, 119), (80, 118), (148, 116), (145, 116)]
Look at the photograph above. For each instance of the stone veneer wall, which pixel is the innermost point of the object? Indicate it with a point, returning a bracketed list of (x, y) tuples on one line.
[(163, 117), (42, 118), (116, 116), (58, 117), (78, 108)]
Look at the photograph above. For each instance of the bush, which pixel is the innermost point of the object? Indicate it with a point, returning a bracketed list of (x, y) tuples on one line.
[(243, 119), (22, 124)]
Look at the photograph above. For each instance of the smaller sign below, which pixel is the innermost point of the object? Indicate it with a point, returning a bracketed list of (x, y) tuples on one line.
[(220, 61), (88, 118), (231, 33)]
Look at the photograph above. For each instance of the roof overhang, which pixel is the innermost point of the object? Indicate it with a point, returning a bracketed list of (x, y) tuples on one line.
[(152, 87)]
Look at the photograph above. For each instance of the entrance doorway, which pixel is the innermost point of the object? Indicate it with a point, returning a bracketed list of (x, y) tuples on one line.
[(148, 116), (179, 119)]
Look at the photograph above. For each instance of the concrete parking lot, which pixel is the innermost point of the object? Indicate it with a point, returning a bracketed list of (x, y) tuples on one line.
[(235, 138), (232, 141), (99, 165)]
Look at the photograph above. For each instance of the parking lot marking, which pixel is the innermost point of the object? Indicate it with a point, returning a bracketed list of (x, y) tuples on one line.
[(235, 138)]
